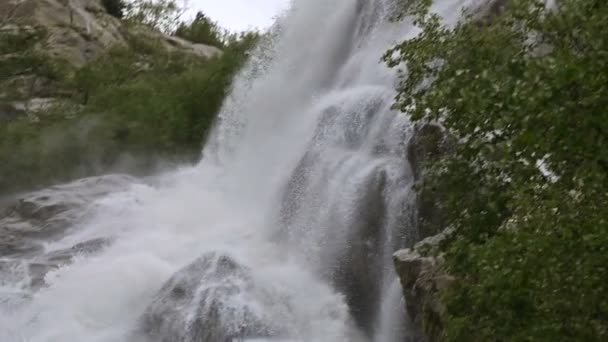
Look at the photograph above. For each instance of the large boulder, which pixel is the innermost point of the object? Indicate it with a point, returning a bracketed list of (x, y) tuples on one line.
[(423, 277), (78, 31), (214, 299)]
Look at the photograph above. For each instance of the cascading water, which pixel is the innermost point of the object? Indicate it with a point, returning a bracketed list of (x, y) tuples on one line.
[(286, 226)]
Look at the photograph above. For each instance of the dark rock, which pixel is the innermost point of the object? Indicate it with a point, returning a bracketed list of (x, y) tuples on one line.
[(423, 278), (47, 214), (214, 299), (428, 144), (8, 112)]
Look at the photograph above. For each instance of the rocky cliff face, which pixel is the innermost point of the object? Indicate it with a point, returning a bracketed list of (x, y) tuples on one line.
[(81, 30), (68, 33), (77, 31), (420, 268), (423, 278)]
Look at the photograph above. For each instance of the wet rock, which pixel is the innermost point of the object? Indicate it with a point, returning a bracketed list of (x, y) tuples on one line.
[(214, 299), (30, 272), (40, 266), (428, 144), (423, 278), (8, 112), (45, 215)]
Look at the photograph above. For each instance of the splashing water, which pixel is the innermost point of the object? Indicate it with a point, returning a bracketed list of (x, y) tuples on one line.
[(304, 184)]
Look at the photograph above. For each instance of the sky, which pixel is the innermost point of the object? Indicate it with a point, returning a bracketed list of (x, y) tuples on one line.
[(239, 15)]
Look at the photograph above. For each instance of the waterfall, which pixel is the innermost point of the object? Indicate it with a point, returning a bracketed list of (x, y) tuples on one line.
[(285, 229)]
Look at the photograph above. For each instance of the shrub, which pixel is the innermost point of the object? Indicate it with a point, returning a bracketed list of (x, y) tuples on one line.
[(523, 94), (201, 30)]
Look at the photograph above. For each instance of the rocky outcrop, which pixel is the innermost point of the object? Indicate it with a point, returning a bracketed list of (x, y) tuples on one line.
[(31, 273), (423, 278), (70, 34), (429, 143), (214, 299), (78, 31), (44, 215)]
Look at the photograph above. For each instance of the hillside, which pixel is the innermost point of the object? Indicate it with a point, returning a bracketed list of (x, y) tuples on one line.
[(83, 92)]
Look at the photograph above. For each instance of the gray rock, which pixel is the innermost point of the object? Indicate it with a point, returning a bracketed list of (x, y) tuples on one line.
[(79, 31), (423, 278), (8, 112), (46, 215), (31, 272), (429, 143), (214, 299)]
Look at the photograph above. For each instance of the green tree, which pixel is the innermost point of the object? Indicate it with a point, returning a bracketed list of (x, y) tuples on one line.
[(201, 30), (160, 14), (524, 93)]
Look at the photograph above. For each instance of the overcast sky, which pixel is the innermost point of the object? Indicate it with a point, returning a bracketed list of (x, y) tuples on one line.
[(239, 15)]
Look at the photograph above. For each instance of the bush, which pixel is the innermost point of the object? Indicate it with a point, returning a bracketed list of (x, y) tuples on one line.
[(202, 31), (522, 93), (138, 100)]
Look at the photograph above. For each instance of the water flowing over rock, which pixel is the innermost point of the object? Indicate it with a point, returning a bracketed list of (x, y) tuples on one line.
[(305, 187), (214, 299), (46, 214)]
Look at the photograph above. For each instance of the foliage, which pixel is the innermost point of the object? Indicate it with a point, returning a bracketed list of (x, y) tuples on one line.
[(525, 95), (201, 30), (19, 55), (115, 8), (139, 102), (160, 14)]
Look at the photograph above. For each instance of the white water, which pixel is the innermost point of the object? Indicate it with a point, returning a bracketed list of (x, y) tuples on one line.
[(305, 169)]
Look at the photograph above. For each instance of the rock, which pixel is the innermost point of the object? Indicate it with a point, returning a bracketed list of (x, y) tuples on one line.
[(35, 105), (79, 31), (47, 214), (429, 143), (30, 273), (200, 50), (423, 278), (213, 299), (40, 266), (8, 112), (30, 85)]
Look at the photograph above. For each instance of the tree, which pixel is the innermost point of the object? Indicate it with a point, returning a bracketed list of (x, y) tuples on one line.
[(523, 92), (160, 14), (201, 30)]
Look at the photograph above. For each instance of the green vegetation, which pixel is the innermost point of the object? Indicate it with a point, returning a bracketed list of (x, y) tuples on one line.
[(140, 103), (524, 92), (160, 14), (202, 31)]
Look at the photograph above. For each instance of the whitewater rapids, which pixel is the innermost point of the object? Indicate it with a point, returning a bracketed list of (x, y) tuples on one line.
[(305, 145)]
